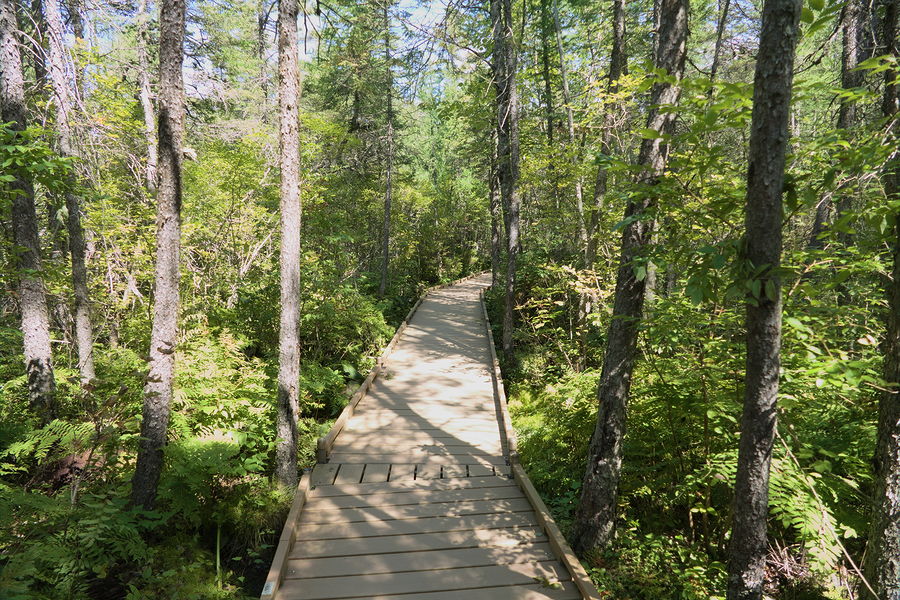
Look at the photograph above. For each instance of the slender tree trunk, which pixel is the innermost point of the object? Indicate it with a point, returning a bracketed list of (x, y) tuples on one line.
[(73, 7), (32, 297), (262, 20), (762, 250), (720, 31), (596, 513), (570, 122), (164, 332), (289, 336), (496, 216), (39, 53), (846, 119), (84, 333), (504, 64), (883, 562), (389, 166), (545, 65), (146, 96), (617, 66)]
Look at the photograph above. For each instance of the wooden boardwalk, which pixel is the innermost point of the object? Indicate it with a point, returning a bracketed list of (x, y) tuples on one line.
[(421, 496)]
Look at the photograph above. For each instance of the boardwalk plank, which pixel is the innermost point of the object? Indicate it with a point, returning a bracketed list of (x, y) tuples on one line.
[(376, 473), (400, 486), (416, 561), (411, 511), (414, 496), (366, 586), (335, 531), (535, 591), (349, 473), (324, 474), (418, 457), (476, 538)]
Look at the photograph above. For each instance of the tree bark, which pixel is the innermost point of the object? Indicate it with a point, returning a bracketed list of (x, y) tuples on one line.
[(570, 122), (504, 61), (84, 332), (389, 166), (545, 65), (146, 95), (289, 336), (720, 31), (618, 62), (762, 252), (846, 119), (164, 332), (496, 214), (883, 563), (596, 513), (32, 296)]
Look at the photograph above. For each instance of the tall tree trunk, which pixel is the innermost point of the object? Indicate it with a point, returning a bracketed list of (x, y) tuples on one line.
[(164, 333), (32, 297), (617, 66), (545, 66), (883, 563), (73, 8), (39, 54), (289, 336), (84, 333), (146, 96), (720, 31), (504, 61), (389, 166), (846, 119), (762, 250), (570, 122), (596, 513), (496, 213), (262, 21)]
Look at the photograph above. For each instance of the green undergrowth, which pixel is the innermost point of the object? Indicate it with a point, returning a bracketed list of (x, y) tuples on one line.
[(680, 451)]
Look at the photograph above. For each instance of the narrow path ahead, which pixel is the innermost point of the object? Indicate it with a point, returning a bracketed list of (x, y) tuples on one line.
[(417, 499)]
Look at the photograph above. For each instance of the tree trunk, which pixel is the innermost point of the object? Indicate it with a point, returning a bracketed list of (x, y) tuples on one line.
[(146, 96), (32, 297), (545, 65), (262, 20), (762, 250), (73, 8), (164, 333), (84, 334), (846, 119), (39, 53), (389, 166), (617, 66), (496, 216), (720, 31), (504, 61), (570, 122), (883, 563), (289, 336), (596, 513)]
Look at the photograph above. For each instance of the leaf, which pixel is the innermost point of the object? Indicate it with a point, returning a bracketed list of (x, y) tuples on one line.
[(806, 15)]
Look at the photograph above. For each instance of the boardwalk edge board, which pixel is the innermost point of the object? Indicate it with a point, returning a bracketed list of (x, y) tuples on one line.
[(325, 443), (286, 540), (560, 547)]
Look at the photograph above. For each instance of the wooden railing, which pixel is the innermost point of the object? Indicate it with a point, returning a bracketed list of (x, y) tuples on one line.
[(554, 535)]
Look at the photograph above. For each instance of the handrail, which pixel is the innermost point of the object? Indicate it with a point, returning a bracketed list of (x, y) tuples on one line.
[(557, 541), (506, 428), (286, 541)]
